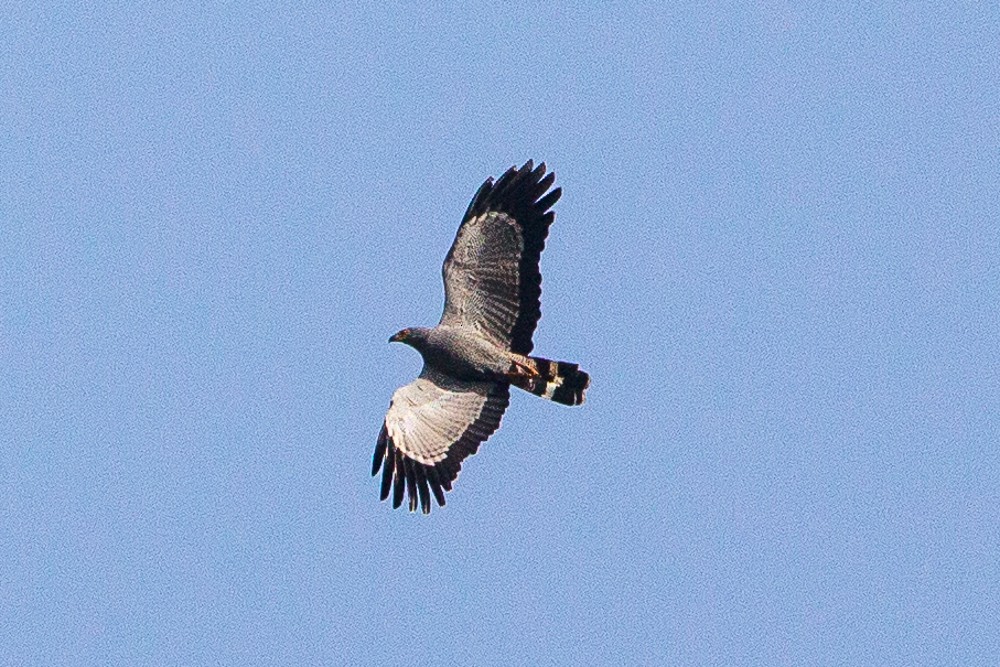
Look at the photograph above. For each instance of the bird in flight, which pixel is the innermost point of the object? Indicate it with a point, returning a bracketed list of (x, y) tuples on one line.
[(492, 288)]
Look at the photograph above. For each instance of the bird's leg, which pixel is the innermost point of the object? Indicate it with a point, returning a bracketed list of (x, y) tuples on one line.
[(522, 367)]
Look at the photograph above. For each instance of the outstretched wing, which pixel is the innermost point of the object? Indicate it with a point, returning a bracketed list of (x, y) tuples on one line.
[(432, 424), (491, 276)]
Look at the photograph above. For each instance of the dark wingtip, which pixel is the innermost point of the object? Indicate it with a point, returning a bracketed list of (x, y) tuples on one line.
[(386, 480), (406, 478), (434, 482), (411, 482), (424, 492), (549, 200), (380, 448), (399, 481), (526, 184)]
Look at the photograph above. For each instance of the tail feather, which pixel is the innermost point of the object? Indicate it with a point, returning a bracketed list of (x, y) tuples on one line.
[(558, 381)]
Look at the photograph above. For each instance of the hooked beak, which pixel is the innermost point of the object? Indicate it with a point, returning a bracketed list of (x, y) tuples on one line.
[(399, 336)]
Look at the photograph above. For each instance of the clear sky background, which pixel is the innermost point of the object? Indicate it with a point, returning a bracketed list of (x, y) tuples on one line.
[(777, 253)]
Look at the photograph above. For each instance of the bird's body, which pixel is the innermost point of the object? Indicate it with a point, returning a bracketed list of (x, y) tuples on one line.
[(481, 345), (460, 351)]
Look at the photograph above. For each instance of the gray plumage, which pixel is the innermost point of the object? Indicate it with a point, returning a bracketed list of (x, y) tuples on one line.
[(481, 345)]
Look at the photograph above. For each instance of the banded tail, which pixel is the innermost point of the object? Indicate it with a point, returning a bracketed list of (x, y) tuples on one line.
[(558, 381)]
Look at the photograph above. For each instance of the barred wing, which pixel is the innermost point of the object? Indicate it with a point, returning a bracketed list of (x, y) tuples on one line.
[(491, 277), (432, 425)]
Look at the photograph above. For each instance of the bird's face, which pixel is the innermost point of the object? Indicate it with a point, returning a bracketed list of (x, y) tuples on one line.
[(400, 336)]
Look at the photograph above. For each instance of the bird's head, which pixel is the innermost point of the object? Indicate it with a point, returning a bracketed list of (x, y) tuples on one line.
[(401, 336), (415, 337)]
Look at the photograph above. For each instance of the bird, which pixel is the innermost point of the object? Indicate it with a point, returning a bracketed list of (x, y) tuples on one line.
[(481, 346)]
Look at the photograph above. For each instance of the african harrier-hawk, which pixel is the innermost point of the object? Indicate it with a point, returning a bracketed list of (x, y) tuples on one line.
[(479, 348)]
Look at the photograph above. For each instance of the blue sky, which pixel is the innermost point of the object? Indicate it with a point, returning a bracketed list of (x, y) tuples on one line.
[(776, 253)]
